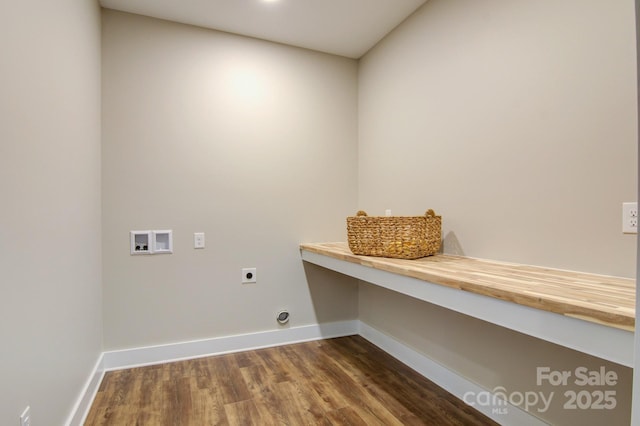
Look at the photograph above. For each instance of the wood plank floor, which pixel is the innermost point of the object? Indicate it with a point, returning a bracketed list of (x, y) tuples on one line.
[(343, 381)]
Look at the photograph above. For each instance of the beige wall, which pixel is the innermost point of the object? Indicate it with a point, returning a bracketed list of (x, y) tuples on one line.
[(514, 120), (517, 122), (509, 118), (50, 310), (251, 142)]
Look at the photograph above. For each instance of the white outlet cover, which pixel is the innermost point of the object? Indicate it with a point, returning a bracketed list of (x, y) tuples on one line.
[(630, 218), (249, 275)]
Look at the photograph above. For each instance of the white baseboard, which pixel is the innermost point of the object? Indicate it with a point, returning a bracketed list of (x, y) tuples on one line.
[(443, 377), (83, 404), (137, 357), (447, 379)]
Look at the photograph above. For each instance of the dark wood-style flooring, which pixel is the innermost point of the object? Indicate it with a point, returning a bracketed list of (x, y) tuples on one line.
[(343, 381)]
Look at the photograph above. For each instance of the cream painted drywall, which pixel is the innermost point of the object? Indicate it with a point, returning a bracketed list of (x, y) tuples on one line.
[(251, 142), (514, 120), (50, 274), (517, 122)]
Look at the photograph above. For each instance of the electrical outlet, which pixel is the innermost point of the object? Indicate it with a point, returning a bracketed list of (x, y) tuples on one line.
[(25, 417), (630, 218), (249, 275)]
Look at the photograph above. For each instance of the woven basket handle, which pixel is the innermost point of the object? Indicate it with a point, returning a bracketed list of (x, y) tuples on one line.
[(361, 213), (430, 213)]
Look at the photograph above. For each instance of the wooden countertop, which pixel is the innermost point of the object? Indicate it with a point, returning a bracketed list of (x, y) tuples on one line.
[(597, 298)]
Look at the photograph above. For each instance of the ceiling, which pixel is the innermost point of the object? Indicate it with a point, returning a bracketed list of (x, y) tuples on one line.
[(341, 27)]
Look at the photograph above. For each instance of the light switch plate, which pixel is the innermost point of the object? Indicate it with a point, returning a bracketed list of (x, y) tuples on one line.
[(198, 240), (25, 417)]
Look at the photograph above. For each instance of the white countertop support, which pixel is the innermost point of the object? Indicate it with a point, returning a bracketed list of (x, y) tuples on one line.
[(602, 341)]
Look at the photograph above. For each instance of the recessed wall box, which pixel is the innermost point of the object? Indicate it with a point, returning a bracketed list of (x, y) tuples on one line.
[(163, 241), (140, 242)]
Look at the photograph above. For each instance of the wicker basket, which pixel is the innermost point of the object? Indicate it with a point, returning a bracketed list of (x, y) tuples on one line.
[(401, 237)]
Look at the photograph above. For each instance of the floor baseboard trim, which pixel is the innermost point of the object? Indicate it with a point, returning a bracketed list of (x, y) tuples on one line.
[(150, 355), (447, 379), (83, 404)]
